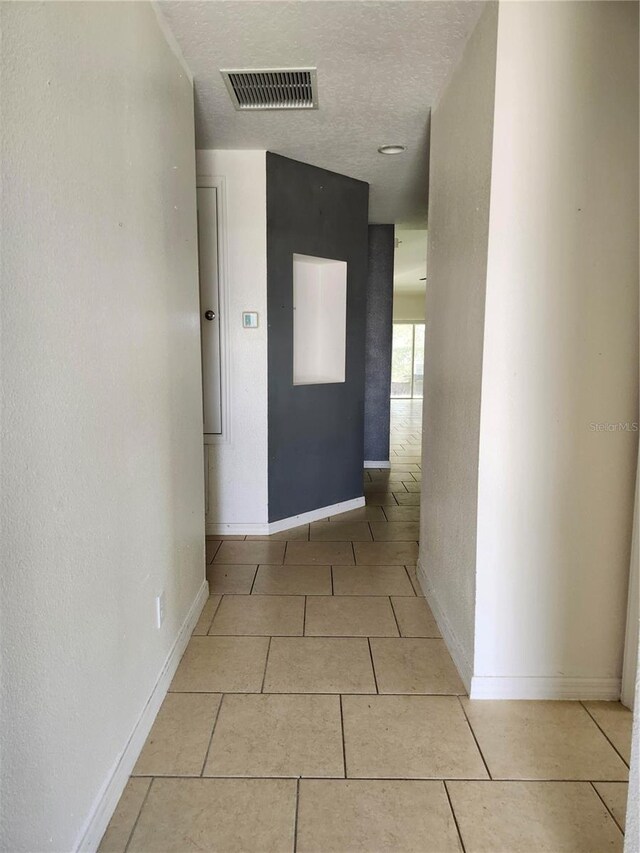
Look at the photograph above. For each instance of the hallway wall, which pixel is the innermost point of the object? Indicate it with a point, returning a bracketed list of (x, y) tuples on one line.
[(316, 431), (379, 331), (102, 468), (237, 480), (460, 176), (561, 351)]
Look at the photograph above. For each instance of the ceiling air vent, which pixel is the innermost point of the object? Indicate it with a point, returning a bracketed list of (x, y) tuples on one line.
[(267, 89)]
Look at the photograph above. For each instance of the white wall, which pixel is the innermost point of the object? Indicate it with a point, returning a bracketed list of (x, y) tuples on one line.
[(460, 172), (237, 480), (561, 352), (408, 306), (102, 477)]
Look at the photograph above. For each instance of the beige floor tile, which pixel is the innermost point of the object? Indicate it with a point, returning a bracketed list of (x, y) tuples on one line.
[(349, 616), (381, 499), (123, 820), (409, 737), (407, 498), (395, 531), (389, 477), (319, 553), (230, 579), (223, 537), (206, 616), (414, 666), (222, 665), (319, 665), (383, 488), (414, 616), (371, 580), (295, 533), (211, 546), (371, 816), (225, 815), (542, 740), (405, 466), (386, 553), (178, 741), (260, 615), (413, 487), (362, 513), (277, 735), (615, 796), (523, 817), (615, 721), (247, 553), (402, 513), (340, 531), (293, 580)]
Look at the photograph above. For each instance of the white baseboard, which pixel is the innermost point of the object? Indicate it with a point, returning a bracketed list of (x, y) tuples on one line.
[(240, 529), (315, 515), (607, 689), (107, 800), (463, 664), (284, 523), (382, 464)]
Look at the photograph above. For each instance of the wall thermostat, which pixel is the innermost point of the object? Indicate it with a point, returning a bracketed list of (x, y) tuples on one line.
[(250, 319)]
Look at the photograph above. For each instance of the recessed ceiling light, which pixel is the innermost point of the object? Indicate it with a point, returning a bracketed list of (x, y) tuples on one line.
[(391, 149)]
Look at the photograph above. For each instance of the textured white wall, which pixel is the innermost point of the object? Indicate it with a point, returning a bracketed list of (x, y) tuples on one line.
[(102, 470), (238, 467), (460, 172), (561, 345)]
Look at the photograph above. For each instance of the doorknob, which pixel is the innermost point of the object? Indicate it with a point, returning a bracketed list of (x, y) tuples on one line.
[(209, 315)]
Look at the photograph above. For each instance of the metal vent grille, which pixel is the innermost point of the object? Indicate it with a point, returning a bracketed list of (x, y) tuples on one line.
[(267, 89)]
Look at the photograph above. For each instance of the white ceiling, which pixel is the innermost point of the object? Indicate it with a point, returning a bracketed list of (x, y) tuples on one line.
[(381, 66), (410, 261)]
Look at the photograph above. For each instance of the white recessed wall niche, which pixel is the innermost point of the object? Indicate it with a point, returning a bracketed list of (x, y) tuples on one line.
[(319, 320)]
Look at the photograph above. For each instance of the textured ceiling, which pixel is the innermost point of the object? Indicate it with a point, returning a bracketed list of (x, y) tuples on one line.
[(381, 66)]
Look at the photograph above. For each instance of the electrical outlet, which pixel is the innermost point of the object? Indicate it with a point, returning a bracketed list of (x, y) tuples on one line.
[(160, 602)]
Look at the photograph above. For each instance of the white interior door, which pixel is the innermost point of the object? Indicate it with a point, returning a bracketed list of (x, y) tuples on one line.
[(210, 308)]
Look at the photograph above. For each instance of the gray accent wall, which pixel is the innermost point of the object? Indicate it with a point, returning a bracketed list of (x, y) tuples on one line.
[(379, 330), (316, 432)]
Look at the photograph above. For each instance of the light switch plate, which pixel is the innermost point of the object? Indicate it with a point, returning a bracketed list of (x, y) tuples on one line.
[(250, 319)]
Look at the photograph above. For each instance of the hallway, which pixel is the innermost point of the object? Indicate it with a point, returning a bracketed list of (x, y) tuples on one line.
[(317, 708)]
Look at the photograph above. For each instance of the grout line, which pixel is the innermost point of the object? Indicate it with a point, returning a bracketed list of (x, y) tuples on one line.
[(602, 800), (214, 615), (266, 664), (331, 575), (393, 610), (215, 722), (304, 617), (375, 679), (344, 748), (353, 551), (476, 779), (135, 823), (415, 594), (473, 734), (255, 575), (453, 814), (606, 736), (295, 820)]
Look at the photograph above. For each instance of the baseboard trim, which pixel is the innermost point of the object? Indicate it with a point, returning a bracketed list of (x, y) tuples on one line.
[(213, 529), (385, 463), (462, 663), (107, 799), (267, 528), (483, 687), (315, 515)]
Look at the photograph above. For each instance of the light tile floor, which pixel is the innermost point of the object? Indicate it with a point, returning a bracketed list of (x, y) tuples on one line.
[(317, 708)]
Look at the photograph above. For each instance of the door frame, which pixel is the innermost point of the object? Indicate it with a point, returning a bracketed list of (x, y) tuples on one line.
[(218, 182)]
